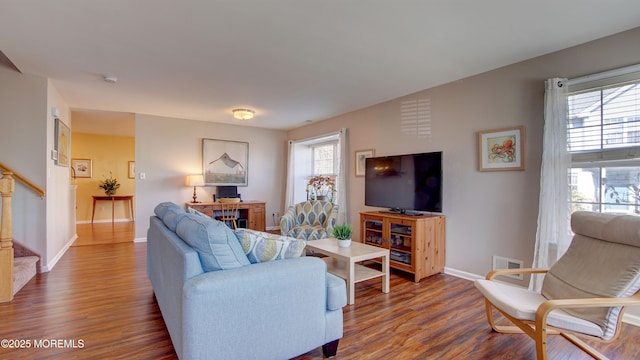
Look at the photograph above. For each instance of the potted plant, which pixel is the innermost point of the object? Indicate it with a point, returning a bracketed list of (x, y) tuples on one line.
[(320, 187), (343, 234), (109, 185)]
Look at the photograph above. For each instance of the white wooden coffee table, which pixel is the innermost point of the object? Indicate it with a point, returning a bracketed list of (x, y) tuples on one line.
[(342, 262)]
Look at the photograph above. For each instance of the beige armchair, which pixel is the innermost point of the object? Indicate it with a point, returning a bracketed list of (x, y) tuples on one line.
[(584, 292)]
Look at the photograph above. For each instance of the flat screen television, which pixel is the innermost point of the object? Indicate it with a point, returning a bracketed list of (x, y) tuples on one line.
[(404, 183)]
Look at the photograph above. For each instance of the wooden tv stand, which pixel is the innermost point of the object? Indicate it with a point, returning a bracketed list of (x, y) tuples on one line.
[(253, 211), (416, 243)]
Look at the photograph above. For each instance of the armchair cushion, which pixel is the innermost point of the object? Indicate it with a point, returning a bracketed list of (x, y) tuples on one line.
[(309, 220), (522, 304), (217, 246), (603, 261), (261, 246)]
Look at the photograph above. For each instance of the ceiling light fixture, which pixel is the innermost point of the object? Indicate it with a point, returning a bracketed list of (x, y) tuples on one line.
[(110, 79), (243, 114)]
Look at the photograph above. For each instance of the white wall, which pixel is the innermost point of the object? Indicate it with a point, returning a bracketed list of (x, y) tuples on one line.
[(60, 213), (23, 147), (487, 212), (169, 149)]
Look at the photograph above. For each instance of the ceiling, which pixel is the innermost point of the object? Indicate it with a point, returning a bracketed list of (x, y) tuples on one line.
[(292, 61)]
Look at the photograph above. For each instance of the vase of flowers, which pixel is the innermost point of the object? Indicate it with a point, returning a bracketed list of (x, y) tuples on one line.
[(343, 234), (109, 185), (321, 187)]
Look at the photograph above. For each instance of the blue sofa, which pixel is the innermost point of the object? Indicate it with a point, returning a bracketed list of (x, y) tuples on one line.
[(216, 304)]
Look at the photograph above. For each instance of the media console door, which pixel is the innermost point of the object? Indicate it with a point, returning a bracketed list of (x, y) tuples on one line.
[(416, 243)]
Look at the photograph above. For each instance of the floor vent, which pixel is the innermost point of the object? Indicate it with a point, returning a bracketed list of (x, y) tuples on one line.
[(500, 262)]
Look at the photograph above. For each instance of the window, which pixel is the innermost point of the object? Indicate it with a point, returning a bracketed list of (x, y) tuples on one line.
[(326, 162), (325, 158), (603, 127)]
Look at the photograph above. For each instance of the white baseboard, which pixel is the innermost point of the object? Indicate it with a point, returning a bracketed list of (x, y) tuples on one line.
[(103, 221), (462, 274), (49, 265), (626, 318), (273, 227), (631, 319), (140, 240)]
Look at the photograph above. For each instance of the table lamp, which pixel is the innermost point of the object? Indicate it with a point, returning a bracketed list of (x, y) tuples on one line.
[(195, 180)]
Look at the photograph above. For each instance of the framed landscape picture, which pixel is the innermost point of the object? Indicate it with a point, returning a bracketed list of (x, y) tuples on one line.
[(501, 149), (82, 168), (225, 162)]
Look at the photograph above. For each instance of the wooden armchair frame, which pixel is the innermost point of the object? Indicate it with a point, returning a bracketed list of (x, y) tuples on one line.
[(539, 329)]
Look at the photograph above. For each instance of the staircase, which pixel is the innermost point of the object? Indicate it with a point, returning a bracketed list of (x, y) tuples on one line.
[(18, 264), (26, 264)]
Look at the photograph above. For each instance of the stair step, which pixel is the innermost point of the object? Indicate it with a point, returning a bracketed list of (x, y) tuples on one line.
[(24, 268)]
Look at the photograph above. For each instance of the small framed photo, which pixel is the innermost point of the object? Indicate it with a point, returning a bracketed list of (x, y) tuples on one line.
[(361, 156), (501, 149), (132, 169), (81, 168), (62, 141)]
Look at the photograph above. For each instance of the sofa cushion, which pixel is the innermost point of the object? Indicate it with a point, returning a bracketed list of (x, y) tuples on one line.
[(191, 210), (217, 245), (162, 208), (261, 246), (169, 213)]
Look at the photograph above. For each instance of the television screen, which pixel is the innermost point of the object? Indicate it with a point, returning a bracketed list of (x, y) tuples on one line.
[(404, 182)]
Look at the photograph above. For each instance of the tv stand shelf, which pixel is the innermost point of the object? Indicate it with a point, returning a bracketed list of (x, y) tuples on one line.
[(416, 243)]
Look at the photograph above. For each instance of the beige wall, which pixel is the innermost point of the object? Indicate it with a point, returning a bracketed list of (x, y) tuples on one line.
[(110, 156), (25, 146), (488, 213), (169, 149)]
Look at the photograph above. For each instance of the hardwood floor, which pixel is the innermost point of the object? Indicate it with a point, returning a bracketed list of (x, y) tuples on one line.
[(98, 299), (104, 233)]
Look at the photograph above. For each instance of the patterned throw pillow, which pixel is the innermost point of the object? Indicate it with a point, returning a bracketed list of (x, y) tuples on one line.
[(261, 246)]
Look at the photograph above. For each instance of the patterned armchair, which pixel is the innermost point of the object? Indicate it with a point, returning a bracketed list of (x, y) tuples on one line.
[(309, 220)]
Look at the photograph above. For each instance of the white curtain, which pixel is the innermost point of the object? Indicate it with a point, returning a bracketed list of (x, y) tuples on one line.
[(343, 164), (288, 195), (553, 234), (343, 214)]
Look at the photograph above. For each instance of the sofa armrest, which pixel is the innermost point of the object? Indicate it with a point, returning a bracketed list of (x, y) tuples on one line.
[(336, 292), (288, 220), (223, 309)]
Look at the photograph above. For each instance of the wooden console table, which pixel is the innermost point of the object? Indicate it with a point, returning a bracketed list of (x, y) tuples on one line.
[(113, 200), (253, 211)]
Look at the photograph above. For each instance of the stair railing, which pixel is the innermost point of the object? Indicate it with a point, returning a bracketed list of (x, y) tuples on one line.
[(7, 184), (38, 190)]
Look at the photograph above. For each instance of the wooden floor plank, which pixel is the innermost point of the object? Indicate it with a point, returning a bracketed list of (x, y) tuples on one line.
[(101, 295)]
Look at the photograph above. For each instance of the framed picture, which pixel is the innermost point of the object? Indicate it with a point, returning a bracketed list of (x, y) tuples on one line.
[(361, 155), (225, 162), (501, 149), (132, 169), (81, 168), (62, 143)]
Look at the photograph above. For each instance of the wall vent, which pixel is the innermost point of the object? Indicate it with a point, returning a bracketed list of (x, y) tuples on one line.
[(415, 118), (500, 262)]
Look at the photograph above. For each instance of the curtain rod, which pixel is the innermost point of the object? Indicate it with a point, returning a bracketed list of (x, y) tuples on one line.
[(603, 75)]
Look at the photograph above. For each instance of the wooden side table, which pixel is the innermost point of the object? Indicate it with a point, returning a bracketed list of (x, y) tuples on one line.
[(113, 200)]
